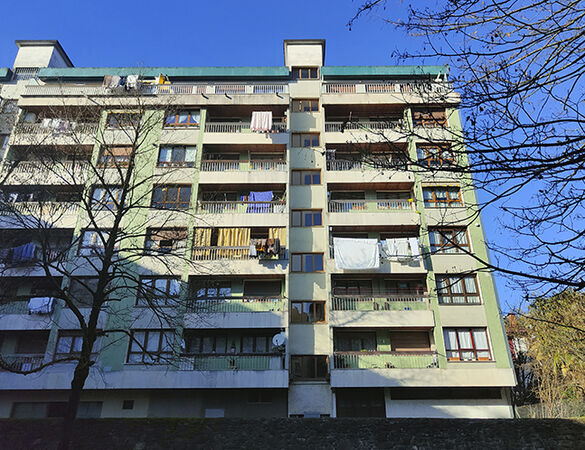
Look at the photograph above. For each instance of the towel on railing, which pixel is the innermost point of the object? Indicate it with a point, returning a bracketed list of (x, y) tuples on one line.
[(23, 253), (356, 254), (261, 121), (40, 305), (414, 248), (265, 196)]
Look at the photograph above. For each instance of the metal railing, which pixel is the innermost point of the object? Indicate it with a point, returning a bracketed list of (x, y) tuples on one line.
[(364, 126), (39, 208), (163, 89), (239, 304), (239, 127), (229, 207), (25, 73), (17, 306), (232, 362), (369, 205), (380, 302), (22, 362), (237, 165), (38, 128), (34, 167), (385, 360), (389, 87), (384, 162), (218, 253)]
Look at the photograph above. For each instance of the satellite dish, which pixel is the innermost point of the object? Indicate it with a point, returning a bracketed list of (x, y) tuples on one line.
[(279, 339)]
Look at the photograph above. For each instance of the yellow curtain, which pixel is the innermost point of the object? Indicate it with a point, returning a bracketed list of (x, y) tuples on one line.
[(278, 233), (233, 237), (202, 237)]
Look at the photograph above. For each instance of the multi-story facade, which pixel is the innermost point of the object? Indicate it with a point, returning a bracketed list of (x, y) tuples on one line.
[(316, 329)]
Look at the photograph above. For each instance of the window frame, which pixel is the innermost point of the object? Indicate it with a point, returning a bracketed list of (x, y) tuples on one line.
[(130, 119), (302, 136), (93, 250), (106, 201), (76, 336), (108, 158), (303, 215), (172, 162), (428, 158), (152, 245), (473, 349), (450, 294), (169, 298), (428, 117), (303, 264), (302, 174), (297, 73), (434, 202), (315, 363), (313, 311), (190, 123), (442, 247), (144, 345), (298, 105), (164, 202)]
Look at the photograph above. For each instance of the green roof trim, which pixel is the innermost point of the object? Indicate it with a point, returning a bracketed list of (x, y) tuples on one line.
[(382, 71), (5, 74), (185, 73)]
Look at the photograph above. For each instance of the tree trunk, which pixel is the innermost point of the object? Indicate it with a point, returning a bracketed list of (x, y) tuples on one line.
[(80, 375)]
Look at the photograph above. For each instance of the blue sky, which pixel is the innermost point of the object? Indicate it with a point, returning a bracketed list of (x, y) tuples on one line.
[(220, 33)]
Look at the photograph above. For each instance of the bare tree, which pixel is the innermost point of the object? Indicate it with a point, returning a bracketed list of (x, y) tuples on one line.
[(519, 69), (83, 206)]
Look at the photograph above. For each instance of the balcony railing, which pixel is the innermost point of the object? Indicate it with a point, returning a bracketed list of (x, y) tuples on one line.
[(336, 206), (380, 302), (233, 305), (385, 360), (364, 126), (228, 253), (275, 165), (164, 89), (14, 307), (58, 168), (228, 207), (52, 209), (389, 162), (38, 128), (239, 127), (232, 362), (387, 88), (22, 362)]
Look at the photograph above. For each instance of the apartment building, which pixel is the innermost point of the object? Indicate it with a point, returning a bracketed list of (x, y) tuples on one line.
[(328, 277)]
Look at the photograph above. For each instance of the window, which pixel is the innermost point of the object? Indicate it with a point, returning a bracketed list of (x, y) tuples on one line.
[(435, 155), (355, 342), (307, 312), (307, 218), (256, 344), (449, 240), (429, 117), (123, 119), (306, 177), (305, 105), (150, 346), (309, 367), (466, 344), (307, 262), (177, 156), (69, 344), (360, 402), (436, 196), (165, 240), (305, 139), (93, 242), (106, 197), (457, 290), (183, 119), (305, 73), (114, 156), (213, 290), (158, 291), (352, 287), (171, 197), (206, 345)]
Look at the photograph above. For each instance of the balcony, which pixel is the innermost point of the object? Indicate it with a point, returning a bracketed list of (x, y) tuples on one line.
[(361, 206), (232, 362), (380, 302), (277, 165), (238, 305), (370, 125), (22, 362), (235, 207), (163, 89), (385, 360), (42, 128), (240, 127)]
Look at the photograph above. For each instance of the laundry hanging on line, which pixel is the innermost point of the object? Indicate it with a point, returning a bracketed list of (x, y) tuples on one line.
[(356, 254)]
